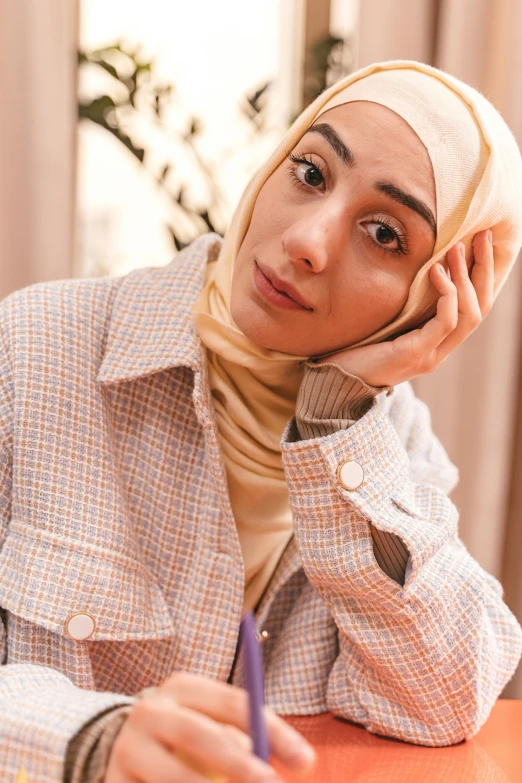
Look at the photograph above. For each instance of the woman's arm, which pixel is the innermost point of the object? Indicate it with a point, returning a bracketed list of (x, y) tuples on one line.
[(332, 399), (89, 751), (41, 708), (425, 662)]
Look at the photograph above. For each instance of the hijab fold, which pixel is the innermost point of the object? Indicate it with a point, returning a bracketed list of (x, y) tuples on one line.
[(478, 180)]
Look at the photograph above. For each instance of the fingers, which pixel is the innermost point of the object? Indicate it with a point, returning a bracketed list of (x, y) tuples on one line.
[(468, 310), (463, 302), (227, 704), (474, 293), (446, 318), (192, 735), (483, 271), (147, 761), (242, 739)]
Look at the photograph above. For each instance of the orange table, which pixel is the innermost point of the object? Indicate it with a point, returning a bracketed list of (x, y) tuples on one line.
[(347, 753)]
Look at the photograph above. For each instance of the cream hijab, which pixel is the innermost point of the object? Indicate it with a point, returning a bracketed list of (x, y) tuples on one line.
[(478, 176)]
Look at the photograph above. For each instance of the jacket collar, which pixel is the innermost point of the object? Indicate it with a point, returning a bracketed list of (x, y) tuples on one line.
[(151, 327)]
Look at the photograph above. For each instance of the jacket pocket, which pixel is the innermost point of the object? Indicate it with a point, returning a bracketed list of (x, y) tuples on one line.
[(73, 590)]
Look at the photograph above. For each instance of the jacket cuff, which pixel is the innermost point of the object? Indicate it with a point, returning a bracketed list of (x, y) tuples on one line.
[(332, 399), (42, 711), (89, 752), (334, 535)]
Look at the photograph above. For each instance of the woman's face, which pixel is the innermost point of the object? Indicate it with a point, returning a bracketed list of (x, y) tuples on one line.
[(341, 229)]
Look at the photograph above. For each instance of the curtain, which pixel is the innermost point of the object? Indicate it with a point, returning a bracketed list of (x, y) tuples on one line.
[(475, 396), (38, 43)]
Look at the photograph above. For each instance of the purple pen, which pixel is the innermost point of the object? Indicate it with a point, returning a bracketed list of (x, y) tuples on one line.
[(253, 668)]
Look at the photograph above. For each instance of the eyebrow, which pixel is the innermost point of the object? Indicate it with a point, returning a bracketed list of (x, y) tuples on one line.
[(383, 186)]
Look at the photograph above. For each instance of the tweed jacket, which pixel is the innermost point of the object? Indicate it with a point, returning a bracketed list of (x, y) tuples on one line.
[(115, 518)]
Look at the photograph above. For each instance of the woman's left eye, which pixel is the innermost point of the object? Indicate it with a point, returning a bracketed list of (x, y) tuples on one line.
[(313, 175), (382, 235)]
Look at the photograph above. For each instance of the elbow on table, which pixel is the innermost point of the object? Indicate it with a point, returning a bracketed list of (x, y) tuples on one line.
[(450, 724)]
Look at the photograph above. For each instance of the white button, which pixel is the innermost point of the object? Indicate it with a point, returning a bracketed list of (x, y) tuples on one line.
[(350, 475), (80, 626)]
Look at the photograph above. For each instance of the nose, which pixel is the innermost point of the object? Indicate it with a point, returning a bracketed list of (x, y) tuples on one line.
[(315, 240)]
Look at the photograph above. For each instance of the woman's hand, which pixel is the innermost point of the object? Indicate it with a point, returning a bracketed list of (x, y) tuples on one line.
[(206, 720), (461, 307)]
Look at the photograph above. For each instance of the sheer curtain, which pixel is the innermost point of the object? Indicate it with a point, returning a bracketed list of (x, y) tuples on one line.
[(476, 396), (38, 42)]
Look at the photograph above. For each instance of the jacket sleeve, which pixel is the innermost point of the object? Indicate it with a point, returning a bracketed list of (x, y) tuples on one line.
[(426, 661), (331, 399), (89, 752), (40, 708)]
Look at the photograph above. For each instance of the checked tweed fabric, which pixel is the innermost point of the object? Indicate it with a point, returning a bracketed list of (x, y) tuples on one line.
[(114, 503)]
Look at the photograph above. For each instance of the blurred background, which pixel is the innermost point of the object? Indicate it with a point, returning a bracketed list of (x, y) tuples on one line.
[(131, 128)]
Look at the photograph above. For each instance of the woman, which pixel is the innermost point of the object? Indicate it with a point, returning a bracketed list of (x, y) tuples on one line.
[(186, 442)]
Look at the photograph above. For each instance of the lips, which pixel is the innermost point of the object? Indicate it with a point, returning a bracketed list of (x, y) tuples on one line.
[(283, 286)]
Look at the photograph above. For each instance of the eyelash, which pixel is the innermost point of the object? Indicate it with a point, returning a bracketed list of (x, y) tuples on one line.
[(401, 239)]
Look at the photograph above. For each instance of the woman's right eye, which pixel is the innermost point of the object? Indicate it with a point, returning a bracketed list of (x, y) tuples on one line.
[(311, 172)]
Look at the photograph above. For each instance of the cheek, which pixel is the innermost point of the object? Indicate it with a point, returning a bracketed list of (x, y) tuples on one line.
[(270, 213), (390, 292), (375, 293)]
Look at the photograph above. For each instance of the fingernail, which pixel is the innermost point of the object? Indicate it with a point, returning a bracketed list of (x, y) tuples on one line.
[(462, 250), (490, 236)]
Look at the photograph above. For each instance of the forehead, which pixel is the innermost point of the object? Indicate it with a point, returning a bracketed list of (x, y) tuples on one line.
[(382, 141)]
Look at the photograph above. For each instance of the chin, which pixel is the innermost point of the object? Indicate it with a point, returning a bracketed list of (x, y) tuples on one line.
[(259, 335), (262, 334), (255, 324)]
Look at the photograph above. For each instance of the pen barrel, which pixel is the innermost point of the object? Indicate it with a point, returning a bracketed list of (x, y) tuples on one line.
[(253, 670)]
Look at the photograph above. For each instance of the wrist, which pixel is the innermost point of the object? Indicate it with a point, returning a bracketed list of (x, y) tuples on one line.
[(371, 389)]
